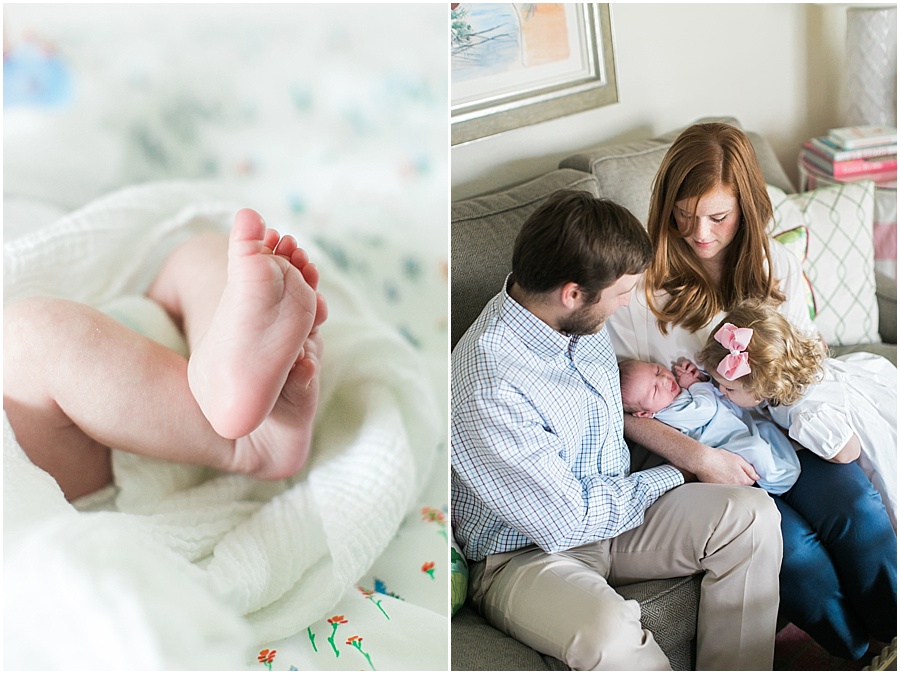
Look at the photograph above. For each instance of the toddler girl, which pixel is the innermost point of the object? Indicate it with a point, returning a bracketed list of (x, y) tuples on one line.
[(843, 409)]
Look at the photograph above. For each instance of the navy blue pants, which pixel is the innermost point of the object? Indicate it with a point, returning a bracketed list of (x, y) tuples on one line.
[(839, 574)]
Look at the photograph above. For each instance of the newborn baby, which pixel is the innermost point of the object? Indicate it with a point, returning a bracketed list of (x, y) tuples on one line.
[(684, 399)]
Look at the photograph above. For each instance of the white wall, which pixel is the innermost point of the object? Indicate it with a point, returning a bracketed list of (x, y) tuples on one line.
[(775, 67)]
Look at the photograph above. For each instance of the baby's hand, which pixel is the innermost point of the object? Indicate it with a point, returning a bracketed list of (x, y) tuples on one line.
[(686, 373)]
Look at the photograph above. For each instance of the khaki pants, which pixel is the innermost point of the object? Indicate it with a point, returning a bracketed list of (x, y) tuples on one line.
[(563, 604)]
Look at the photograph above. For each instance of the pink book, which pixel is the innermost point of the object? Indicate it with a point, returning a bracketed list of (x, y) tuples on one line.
[(885, 179), (849, 167)]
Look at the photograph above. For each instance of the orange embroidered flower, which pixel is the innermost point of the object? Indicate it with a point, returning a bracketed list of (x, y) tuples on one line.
[(266, 656), (356, 642), (337, 620), (432, 515), (428, 567)]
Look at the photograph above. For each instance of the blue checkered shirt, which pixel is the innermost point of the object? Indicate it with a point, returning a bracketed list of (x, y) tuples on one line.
[(538, 455)]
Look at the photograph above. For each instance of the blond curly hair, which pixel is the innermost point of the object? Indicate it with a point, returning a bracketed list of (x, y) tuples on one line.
[(783, 361)]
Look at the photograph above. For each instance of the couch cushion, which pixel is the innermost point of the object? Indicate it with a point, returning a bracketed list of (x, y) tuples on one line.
[(841, 259), (475, 645), (668, 609), (482, 232), (625, 171)]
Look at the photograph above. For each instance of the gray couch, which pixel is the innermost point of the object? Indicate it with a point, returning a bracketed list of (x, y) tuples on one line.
[(482, 233)]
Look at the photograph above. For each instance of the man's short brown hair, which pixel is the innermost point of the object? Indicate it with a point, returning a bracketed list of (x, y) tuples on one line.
[(576, 237)]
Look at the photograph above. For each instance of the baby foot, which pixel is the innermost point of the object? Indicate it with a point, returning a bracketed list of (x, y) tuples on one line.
[(239, 369), (279, 447)]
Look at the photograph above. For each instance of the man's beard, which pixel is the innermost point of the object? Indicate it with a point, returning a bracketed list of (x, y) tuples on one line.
[(583, 321)]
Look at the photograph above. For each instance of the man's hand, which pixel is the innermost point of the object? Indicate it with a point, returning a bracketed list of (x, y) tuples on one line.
[(723, 467), (686, 373)]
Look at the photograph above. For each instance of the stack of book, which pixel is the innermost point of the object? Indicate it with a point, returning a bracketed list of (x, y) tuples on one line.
[(853, 153)]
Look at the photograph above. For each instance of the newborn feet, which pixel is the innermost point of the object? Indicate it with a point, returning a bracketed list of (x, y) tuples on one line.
[(255, 371)]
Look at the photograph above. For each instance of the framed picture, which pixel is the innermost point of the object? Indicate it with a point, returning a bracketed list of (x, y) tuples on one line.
[(523, 63)]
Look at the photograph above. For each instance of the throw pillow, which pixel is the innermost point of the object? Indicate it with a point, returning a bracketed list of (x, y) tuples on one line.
[(797, 241), (459, 578), (840, 262)]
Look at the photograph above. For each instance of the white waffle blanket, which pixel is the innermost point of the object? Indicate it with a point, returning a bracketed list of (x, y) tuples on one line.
[(184, 567)]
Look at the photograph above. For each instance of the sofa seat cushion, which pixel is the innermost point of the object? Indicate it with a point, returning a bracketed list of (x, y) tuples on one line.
[(668, 610), (475, 645), (882, 349), (482, 232)]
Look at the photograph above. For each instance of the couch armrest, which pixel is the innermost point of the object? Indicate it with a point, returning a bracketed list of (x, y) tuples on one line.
[(886, 292)]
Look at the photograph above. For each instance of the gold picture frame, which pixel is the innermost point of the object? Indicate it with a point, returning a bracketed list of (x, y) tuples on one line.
[(494, 88)]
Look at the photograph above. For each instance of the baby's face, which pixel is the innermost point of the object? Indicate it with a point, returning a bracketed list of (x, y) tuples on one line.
[(651, 388)]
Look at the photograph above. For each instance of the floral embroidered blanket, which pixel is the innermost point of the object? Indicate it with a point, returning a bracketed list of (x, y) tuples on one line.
[(343, 566)]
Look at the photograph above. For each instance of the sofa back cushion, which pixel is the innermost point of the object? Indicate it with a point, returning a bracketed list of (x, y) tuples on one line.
[(482, 232), (625, 171)]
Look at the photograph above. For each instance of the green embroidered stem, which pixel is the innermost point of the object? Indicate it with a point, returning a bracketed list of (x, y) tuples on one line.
[(380, 608), (312, 639), (335, 621), (356, 642), (334, 629)]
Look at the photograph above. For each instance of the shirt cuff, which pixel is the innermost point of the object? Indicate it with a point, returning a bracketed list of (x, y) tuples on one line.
[(659, 480)]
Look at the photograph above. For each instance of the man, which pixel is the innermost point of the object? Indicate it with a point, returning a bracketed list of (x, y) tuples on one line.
[(543, 503)]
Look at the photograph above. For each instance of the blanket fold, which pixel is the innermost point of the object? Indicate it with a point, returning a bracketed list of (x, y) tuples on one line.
[(266, 558)]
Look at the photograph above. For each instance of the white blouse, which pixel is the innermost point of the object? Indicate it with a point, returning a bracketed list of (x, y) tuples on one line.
[(635, 334)]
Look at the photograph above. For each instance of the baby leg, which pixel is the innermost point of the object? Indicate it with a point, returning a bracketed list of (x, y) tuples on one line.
[(76, 382)]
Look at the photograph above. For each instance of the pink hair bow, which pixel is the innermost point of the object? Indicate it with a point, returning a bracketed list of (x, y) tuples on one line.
[(737, 363)]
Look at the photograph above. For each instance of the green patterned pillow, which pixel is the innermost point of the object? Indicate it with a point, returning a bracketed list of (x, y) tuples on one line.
[(840, 263), (459, 578), (797, 241)]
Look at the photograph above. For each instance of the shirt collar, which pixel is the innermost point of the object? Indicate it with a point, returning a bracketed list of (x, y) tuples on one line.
[(534, 333)]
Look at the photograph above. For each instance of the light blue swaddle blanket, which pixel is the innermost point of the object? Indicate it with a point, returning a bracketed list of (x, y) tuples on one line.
[(704, 414)]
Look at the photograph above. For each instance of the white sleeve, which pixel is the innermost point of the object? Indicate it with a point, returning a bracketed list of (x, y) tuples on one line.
[(622, 326), (822, 428)]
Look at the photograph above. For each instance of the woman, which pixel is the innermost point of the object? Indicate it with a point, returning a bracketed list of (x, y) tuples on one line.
[(708, 217)]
